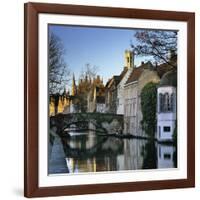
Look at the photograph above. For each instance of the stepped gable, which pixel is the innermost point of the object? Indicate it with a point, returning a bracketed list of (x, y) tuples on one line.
[(137, 71)]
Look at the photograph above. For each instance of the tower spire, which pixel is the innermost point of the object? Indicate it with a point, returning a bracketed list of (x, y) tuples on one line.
[(129, 58), (73, 92)]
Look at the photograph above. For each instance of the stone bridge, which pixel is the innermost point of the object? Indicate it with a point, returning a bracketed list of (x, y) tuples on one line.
[(106, 122)]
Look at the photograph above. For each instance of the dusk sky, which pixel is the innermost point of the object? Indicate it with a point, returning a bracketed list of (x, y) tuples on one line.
[(102, 47)]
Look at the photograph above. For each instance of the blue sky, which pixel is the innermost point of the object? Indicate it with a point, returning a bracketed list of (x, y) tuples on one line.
[(102, 47)]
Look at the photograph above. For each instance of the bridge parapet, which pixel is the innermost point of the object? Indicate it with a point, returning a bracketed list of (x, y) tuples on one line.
[(109, 123)]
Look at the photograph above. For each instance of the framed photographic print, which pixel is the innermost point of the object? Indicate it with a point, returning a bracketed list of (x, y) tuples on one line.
[(109, 99)]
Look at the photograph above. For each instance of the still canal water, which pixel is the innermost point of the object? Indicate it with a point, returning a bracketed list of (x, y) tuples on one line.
[(90, 152)]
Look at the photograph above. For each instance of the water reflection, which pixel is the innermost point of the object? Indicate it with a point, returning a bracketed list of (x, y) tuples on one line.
[(166, 156), (89, 152)]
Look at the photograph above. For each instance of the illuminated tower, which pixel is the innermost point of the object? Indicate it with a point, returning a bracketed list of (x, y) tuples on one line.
[(74, 89), (129, 59)]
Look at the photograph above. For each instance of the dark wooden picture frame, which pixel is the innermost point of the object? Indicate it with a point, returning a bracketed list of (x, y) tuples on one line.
[(31, 185)]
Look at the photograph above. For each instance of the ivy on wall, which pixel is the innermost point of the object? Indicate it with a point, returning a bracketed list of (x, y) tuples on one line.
[(148, 107)]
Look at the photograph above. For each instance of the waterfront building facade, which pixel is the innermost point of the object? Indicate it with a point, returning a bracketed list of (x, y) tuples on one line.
[(129, 66), (166, 106), (139, 77)]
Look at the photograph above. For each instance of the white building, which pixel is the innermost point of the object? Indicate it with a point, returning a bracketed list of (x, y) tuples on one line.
[(129, 64), (166, 106), (139, 77)]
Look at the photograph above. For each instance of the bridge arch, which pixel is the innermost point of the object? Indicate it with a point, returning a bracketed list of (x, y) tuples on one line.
[(62, 121)]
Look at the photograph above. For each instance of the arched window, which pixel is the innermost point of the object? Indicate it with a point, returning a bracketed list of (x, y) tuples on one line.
[(167, 103)]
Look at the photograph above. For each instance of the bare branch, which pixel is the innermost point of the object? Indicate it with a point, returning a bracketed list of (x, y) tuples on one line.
[(58, 69)]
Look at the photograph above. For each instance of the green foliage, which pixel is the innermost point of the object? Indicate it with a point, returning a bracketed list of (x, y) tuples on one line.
[(148, 107)]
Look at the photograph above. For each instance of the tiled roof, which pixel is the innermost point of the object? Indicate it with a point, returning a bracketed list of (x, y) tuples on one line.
[(116, 79), (134, 76)]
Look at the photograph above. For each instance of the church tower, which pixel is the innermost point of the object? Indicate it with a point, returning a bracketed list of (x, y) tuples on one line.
[(74, 89), (129, 59)]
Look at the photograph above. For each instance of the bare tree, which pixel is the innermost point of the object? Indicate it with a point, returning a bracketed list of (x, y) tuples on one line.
[(157, 44), (58, 69), (89, 71), (88, 74)]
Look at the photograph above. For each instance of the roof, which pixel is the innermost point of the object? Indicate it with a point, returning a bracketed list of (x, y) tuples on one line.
[(163, 68), (114, 80), (169, 79), (134, 76)]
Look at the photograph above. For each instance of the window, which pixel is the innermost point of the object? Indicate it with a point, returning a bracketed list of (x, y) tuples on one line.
[(167, 156), (166, 128), (161, 100), (127, 59), (166, 102)]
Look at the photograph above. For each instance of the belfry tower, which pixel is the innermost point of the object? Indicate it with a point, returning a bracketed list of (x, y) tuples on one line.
[(129, 59), (74, 88)]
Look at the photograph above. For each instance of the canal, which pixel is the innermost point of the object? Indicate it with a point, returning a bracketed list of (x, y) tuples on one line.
[(89, 151)]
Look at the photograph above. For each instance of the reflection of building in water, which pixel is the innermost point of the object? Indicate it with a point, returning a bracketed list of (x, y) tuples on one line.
[(165, 156), (166, 106), (133, 157), (77, 166), (91, 155), (81, 141)]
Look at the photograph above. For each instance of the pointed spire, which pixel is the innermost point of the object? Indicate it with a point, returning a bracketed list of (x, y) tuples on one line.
[(73, 92), (64, 91)]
